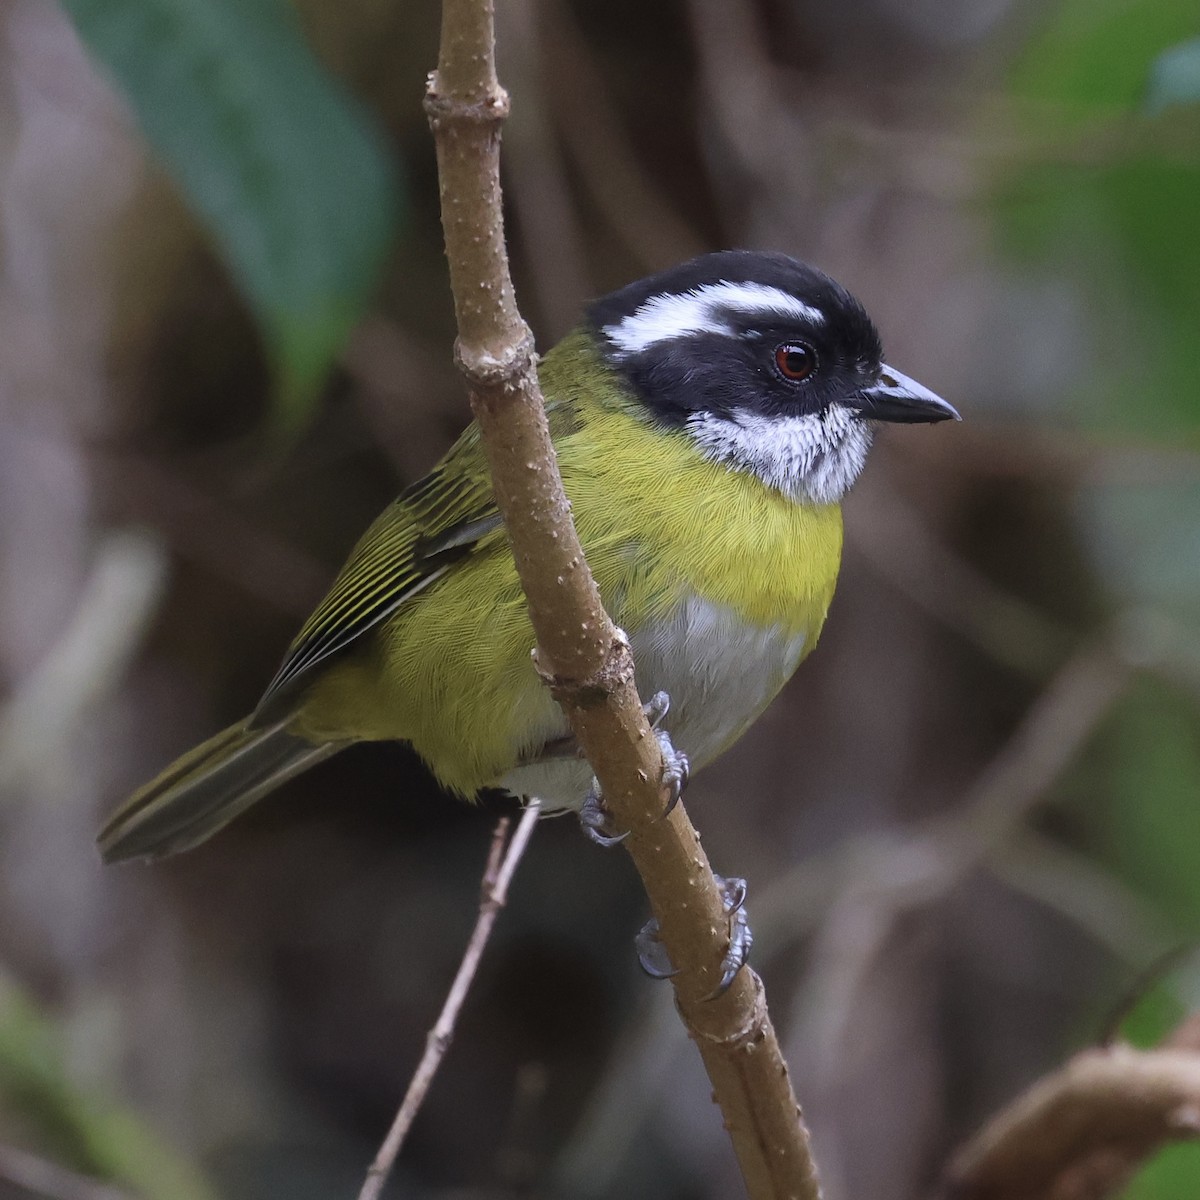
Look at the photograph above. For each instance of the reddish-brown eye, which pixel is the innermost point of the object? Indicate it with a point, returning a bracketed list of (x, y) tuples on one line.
[(795, 361)]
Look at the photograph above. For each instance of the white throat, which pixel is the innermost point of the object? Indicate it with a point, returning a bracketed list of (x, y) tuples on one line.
[(811, 459)]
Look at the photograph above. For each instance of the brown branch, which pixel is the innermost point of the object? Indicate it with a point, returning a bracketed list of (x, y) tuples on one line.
[(582, 656), (497, 876), (1080, 1133)]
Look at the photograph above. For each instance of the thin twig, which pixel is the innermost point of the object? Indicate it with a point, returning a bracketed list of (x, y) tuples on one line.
[(583, 658), (497, 876)]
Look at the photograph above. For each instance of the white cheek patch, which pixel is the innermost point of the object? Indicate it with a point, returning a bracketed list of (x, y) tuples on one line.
[(812, 458), (705, 310)]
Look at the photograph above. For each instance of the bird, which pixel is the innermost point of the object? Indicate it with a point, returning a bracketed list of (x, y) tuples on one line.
[(708, 421)]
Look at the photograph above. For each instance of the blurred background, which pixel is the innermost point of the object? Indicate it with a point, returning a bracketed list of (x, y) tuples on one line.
[(971, 824)]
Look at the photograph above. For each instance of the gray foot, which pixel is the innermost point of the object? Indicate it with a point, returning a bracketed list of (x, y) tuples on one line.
[(595, 818), (653, 956), (676, 768)]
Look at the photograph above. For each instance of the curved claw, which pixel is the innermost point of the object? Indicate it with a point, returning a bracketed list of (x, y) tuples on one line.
[(604, 839), (734, 890), (652, 955), (741, 937), (676, 770), (656, 708), (595, 820), (594, 817)]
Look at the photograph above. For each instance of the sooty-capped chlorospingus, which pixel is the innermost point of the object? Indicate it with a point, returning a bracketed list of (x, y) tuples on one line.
[(708, 421)]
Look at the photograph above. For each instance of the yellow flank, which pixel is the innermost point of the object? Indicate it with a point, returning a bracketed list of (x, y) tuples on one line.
[(450, 671)]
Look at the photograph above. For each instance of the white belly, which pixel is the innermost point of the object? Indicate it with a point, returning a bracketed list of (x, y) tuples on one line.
[(720, 673)]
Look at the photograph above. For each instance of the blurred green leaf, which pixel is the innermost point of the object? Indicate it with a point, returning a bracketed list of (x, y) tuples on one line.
[(1154, 1015), (1173, 1173), (1120, 211), (1128, 233), (1146, 816), (96, 1136), (288, 172), (1145, 542), (1089, 56), (1175, 77)]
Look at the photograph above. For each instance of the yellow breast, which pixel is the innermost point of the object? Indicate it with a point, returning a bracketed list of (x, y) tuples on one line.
[(655, 516), (685, 521), (661, 525)]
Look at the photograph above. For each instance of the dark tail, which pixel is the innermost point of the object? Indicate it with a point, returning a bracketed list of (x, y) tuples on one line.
[(205, 789)]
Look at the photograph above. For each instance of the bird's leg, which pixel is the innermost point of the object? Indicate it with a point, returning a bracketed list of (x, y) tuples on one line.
[(653, 956), (656, 708), (741, 936), (595, 818), (676, 768)]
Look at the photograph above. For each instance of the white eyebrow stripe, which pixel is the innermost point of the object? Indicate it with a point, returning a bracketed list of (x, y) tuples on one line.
[(664, 317)]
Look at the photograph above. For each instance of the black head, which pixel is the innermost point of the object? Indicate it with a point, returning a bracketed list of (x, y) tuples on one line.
[(771, 365)]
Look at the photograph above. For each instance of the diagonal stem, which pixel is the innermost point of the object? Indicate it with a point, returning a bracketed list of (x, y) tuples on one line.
[(497, 876), (584, 659)]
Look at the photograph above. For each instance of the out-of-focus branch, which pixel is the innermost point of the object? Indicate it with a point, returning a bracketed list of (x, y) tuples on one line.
[(891, 877), (501, 865), (625, 196), (1185, 1035), (40, 1177), (202, 528), (89, 659), (903, 549), (405, 391), (1082, 891), (623, 1103), (538, 187), (1078, 1134), (897, 872), (583, 657), (747, 121)]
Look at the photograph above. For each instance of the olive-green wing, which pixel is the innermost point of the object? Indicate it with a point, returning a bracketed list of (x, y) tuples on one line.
[(412, 544)]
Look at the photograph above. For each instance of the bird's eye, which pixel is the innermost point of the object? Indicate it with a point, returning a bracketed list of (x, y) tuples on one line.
[(795, 361)]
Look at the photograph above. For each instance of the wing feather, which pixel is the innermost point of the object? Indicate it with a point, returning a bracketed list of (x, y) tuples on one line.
[(435, 522), (413, 543)]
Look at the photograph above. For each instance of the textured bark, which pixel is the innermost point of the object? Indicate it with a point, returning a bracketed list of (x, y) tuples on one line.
[(583, 657)]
